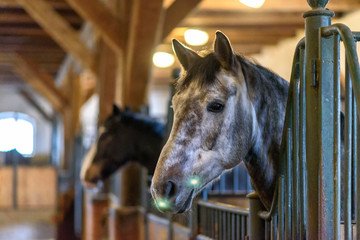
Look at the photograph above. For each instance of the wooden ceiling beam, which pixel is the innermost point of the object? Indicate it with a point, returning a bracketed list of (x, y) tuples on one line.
[(22, 31), (241, 39), (145, 23), (29, 48), (54, 3), (40, 81), (241, 19), (244, 49), (33, 102), (277, 5), (60, 30), (175, 13), (103, 20), (23, 18), (230, 31)]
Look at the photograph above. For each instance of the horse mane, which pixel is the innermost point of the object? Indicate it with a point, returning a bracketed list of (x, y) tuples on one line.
[(142, 122), (205, 69)]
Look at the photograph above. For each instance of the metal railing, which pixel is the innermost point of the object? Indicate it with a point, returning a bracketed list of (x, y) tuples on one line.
[(316, 187), (221, 221), (233, 183)]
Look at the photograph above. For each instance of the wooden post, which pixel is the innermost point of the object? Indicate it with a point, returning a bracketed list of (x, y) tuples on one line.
[(96, 206), (126, 223), (133, 185)]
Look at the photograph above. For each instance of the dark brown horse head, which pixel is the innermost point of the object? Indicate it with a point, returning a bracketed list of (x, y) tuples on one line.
[(124, 137)]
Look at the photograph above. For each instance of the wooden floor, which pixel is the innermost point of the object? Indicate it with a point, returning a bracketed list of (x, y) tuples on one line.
[(27, 225)]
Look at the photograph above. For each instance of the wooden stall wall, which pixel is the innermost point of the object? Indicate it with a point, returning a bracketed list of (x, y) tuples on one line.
[(7, 187), (35, 187)]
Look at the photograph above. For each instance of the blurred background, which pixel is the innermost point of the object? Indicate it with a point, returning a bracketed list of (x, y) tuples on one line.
[(63, 63)]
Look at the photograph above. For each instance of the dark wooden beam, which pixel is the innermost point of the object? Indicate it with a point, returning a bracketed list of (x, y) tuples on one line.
[(175, 13), (146, 22), (22, 31), (19, 18), (236, 19), (104, 21), (60, 30), (40, 81), (106, 84), (30, 99), (54, 3)]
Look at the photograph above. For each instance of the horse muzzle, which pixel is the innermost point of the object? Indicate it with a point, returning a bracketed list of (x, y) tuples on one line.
[(91, 177), (171, 198)]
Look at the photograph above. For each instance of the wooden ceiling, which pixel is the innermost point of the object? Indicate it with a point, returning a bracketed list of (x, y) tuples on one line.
[(19, 33), (248, 29)]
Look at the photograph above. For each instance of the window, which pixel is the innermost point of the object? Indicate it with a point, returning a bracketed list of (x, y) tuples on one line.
[(17, 132)]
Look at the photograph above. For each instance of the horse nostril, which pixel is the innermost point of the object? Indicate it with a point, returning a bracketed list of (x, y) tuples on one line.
[(170, 189)]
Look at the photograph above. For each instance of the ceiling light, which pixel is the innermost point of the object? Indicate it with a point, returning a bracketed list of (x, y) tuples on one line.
[(163, 59), (196, 37), (253, 3)]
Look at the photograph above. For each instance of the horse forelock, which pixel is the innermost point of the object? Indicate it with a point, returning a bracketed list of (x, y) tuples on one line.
[(134, 120), (204, 70)]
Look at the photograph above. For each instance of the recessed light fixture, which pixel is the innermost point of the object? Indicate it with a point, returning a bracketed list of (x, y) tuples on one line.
[(196, 37), (253, 3), (163, 59)]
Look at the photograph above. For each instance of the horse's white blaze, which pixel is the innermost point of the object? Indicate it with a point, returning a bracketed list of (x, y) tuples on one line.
[(87, 162)]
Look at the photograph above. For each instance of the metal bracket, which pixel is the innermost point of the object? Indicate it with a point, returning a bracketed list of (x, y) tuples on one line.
[(315, 70)]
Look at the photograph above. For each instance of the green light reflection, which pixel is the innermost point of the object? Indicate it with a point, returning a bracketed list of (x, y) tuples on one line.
[(194, 181)]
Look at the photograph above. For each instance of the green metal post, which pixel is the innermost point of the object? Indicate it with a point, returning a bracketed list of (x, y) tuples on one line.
[(256, 225), (319, 107)]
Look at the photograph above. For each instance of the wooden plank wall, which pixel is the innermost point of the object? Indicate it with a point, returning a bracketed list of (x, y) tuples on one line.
[(36, 187), (6, 189)]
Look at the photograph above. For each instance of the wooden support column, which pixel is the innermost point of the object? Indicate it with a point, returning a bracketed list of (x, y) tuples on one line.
[(126, 223), (96, 211), (106, 83), (144, 33)]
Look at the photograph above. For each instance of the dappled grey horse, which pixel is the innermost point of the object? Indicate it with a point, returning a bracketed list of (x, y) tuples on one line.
[(227, 109), (125, 136)]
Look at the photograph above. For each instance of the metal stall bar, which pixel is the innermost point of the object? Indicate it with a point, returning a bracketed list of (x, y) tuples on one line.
[(337, 135), (295, 160), (288, 179), (280, 212), (326, 167), (355, 166), (317, 144), (353, 75), (353, 161), (350, 49), (302, 145), (357, 180), (348, 154), (221, 221)]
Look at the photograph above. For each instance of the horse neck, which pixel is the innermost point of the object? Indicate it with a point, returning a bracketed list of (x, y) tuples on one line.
[(268, 94), (152, 143)]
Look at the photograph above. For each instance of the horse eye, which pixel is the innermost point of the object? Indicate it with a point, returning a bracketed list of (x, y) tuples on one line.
[(215, 107)]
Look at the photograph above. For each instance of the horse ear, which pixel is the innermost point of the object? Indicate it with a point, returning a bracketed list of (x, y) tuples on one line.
[(184, 54), (116, 110), (223, 51)]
